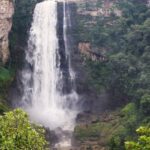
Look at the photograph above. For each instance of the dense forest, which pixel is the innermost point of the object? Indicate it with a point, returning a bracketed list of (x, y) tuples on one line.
[(123, 40)]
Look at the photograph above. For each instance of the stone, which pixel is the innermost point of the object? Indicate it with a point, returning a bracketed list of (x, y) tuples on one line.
[(6, 13), (86, 49)]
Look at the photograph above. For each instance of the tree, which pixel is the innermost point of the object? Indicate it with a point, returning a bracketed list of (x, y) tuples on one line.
[(145, 104), (143, 142), (17, 133)]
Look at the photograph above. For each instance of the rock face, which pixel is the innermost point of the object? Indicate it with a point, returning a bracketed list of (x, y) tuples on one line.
[(22, 19), (86, 50), (107, 7), (6, 12)]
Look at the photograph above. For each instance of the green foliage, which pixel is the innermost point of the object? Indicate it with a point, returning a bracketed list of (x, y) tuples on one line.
[(145, 104), (125, 40), (143, 142), (5, 77), (86, 132), (130, 117), (3, 108), (128, 123), (17, 133), (109, 131), (129, 109), (118, 137)]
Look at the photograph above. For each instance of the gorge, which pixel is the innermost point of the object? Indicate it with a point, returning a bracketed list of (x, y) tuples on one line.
[(74, 74)]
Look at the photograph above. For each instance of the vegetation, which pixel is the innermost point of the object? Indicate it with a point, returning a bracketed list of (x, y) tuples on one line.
[(17, 133), (143, 142), (6, 77), (125, 41)]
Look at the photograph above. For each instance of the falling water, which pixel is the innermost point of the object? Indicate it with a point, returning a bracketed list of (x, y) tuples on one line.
[(43, 97)]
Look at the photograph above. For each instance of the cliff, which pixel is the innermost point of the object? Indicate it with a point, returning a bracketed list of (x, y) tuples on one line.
[(6, 12), (22, 19)]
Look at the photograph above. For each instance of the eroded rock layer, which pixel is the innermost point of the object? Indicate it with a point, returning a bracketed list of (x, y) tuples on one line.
[(6, 12)]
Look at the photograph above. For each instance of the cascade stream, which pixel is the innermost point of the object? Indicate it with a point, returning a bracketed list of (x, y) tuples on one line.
[(45, 75)]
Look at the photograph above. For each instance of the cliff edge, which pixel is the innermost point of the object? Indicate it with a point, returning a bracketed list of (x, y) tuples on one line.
[(6, 12)]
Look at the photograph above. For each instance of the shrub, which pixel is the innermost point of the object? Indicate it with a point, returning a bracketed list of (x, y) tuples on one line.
[(17, 133), (143, 142)]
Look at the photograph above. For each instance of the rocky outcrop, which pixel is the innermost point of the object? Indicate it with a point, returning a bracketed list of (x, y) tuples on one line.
[(6, 12), (86, 49), (96, 8)]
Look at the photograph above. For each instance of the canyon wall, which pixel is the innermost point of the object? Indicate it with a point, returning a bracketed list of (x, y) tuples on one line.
[(19, 34), (6, 12)]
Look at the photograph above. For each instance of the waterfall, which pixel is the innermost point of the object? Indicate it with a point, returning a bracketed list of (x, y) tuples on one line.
[(42, 77)]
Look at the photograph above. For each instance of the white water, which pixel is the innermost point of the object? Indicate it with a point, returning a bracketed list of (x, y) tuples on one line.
[(42, 76), (66, 25)]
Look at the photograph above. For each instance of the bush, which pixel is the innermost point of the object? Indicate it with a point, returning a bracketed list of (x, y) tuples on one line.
[(143, 142), (87, 132), (5, 77), (145, 104), (17, 133)]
